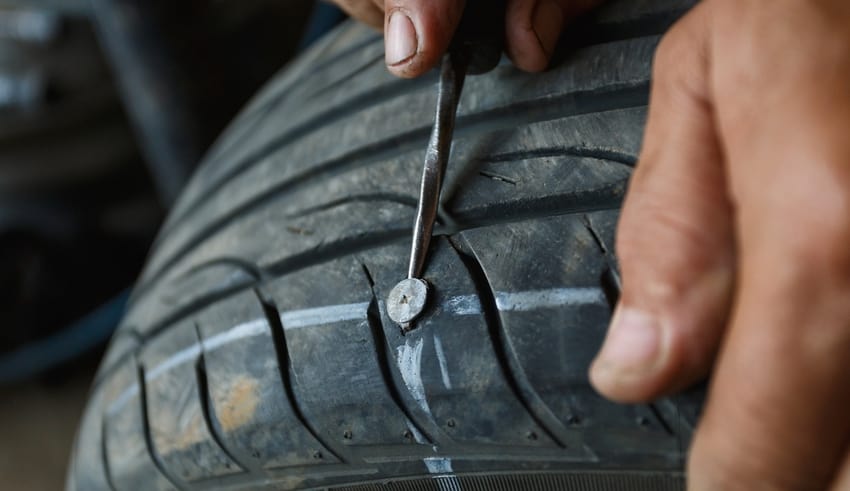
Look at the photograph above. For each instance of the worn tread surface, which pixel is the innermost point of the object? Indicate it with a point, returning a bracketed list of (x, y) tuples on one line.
[(257, 353)]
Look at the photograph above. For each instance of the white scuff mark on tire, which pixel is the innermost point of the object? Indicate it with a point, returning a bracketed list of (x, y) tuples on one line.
[(441, 358), (248, 329), (460, 305), (551, 298), (123, 398), (529, 300), (438, 465), (299, 319), (463, 305), (410, 366), (183, 356)]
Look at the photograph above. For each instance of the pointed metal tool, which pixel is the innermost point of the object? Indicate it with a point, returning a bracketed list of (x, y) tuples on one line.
[(476, 48)]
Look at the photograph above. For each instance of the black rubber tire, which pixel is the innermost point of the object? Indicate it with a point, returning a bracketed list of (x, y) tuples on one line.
[(257, 353)]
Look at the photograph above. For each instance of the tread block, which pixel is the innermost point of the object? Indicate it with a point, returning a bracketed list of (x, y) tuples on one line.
[(131, 464), (553, 337), (248, 403), (448, 364), (382, 197), (176, 415), (331, 344), (187, 290), (504, 99), (583, 158)]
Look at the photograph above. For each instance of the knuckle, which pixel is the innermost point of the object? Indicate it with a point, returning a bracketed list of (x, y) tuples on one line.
[(650, 222), (820, 244), (681, 56), (674, 44), (667, 51), (662, 249)]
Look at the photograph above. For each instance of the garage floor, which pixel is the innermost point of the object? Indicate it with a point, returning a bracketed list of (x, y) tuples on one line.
[(38, 422)]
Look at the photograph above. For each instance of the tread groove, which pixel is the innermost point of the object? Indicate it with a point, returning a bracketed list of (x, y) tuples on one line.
[(604, 198), (612, 288), (648, 25), (284, 364), (358, 198), (487, 298), (643, 28), (146, 429), (616, 96), (610, 280), (354, 245), (250, 268), (661, 419), (190, 308), (376, 326), (247, 123), (347, 78), (204, 396), (104, 456), (559, 151), (320, 120), (320, 65)]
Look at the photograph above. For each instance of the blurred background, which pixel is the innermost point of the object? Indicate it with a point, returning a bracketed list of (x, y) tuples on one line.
[(106, 107)]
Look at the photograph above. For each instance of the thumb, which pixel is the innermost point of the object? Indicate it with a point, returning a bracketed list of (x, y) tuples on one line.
[(418, 32), (674, 238)]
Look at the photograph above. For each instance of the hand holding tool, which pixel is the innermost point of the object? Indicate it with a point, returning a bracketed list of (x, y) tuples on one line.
[(476, 48)]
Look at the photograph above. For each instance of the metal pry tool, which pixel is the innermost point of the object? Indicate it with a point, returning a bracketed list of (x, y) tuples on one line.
[(476, 48)]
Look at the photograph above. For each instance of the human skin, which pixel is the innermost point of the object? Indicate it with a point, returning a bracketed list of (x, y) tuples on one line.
[(734, 239)]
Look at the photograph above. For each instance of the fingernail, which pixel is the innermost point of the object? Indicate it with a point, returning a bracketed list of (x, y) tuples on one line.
[(633, 344), (547, 21), (401, 38)]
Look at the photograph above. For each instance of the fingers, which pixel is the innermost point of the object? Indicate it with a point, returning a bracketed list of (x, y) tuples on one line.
[(674, 239), (777, 414), (422, 30), (776, 418), (418, 32), (366, 11), (534, 26), (777, 411)]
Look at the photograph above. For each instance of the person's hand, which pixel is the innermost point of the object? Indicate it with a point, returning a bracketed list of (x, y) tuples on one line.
[(735, 244), (418, 32)]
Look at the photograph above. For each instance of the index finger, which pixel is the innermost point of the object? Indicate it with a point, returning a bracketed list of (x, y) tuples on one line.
[(776, 418), (777, 412)]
